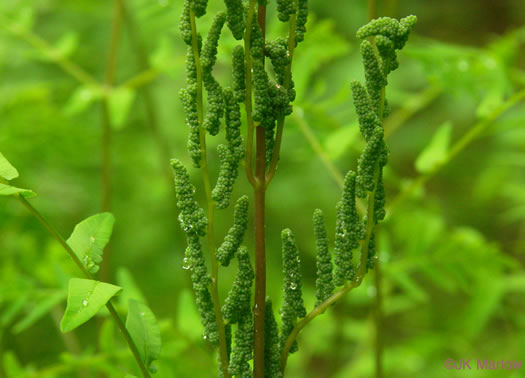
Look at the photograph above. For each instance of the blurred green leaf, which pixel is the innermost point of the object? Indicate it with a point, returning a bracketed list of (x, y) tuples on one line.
[(7, 171), (436, 151), (41, 309), (338, 141), (145, 332), (90, 237), (13, 309), (8, 190), (131, 289), (67, 44), (120, 101), (82, 97), (84, 299)]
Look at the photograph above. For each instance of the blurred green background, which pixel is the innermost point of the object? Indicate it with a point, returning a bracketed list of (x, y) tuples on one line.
[(451, 249)]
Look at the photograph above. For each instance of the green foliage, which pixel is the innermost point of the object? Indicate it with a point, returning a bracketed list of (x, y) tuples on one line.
[(145, 332), (84, 299), (90, 237)]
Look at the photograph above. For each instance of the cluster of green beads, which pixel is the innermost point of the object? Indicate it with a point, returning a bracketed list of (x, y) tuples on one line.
[(272, 366), (293, 305), (324, 283), (233, 239), (371, 107), (237, 309)]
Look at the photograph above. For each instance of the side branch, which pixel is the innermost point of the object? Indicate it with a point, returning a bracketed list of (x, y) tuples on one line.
[(214, 292), (287, 81), (248, 99)]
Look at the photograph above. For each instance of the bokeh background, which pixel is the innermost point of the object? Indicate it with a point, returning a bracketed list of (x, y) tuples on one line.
[(451, 249)]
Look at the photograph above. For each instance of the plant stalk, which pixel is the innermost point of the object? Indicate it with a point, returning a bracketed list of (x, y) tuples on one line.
[(260, 244)]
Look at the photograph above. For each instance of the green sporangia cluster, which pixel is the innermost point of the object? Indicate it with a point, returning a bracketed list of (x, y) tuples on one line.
[(379, 59), (239, 296), (201, 280), (286, 8), (324, 283), (191, 217), (193, 223), (293, 305), (237, 310), (208, 57), (233, 239), (272, 368), (235, 17), (348, 230)]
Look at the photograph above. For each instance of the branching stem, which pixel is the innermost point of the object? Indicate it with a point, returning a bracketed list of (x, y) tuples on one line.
[(248, 99)]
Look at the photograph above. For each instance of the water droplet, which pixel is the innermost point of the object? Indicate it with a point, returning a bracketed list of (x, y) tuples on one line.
[(293, 286), (186, 264), (84, 302), (204, 337)]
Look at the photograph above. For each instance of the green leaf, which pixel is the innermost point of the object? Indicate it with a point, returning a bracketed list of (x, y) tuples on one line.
[(436, 151), (84, 299), (39, 311), (81, 99), (7, 171), (67, 44), (339, 141), (12, 367), (120, 101), (145, 332), (8, 190), (89, 239), (490, 103), (13, 309), (131, 289)]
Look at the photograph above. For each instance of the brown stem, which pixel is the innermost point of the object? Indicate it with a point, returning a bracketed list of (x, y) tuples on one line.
[(260, 246), (260, 253)]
